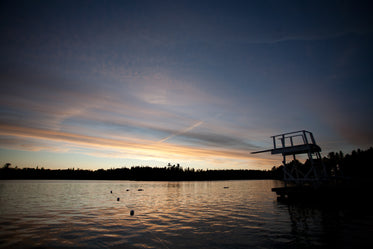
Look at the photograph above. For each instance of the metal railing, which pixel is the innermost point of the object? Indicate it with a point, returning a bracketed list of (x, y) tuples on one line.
[(291, 139)]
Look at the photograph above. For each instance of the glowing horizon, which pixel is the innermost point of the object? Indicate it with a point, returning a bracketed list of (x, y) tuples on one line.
[(140, 149)]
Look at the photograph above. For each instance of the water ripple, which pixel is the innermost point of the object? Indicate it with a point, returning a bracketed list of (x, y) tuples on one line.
[(72, 214)]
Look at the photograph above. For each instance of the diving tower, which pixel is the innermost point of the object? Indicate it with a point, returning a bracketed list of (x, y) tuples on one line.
[(293, 144)]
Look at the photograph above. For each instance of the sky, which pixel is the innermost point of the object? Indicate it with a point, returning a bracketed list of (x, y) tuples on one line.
[(108, 84)]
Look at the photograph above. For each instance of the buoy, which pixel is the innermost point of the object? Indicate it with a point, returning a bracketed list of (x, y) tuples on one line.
[(132, 212), (118, 199)]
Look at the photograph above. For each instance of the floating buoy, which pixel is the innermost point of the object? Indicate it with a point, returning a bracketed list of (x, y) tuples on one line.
[(132, 212), (118, 199), (140, 189)]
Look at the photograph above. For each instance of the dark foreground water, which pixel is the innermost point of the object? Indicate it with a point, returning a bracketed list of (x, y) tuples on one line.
[(215, 214)]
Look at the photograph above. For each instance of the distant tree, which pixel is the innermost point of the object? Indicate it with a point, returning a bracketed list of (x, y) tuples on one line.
[(7, 166)]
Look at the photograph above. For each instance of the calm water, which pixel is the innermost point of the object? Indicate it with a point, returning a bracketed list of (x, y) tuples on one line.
[(217, 214)]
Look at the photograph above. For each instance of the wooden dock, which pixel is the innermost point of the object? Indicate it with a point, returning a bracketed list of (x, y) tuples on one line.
[(324, 193), (295, 193)]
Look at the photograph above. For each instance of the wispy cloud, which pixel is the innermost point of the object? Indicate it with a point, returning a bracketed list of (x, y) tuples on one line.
[(181, 132), (125, 124), (139, 148)]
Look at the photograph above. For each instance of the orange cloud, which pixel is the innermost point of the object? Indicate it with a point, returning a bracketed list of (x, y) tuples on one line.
[(135, 148)]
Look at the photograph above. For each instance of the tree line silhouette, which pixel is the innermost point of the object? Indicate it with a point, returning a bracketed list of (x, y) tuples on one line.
[(145, 173), (357, 165)]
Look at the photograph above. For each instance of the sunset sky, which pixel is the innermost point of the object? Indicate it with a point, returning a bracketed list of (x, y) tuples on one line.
[(107, 84)]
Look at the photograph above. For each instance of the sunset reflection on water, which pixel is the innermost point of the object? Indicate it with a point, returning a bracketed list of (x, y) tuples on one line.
[(207, 214)]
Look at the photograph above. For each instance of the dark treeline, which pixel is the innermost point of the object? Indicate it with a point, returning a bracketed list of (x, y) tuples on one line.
[(172, 173), (357, 165)]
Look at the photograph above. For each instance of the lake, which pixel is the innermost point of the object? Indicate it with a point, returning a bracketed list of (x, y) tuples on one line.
[(205, 214)]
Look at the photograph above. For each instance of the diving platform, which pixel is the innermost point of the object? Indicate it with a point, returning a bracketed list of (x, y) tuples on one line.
[(293, 143), (293, 150), (312, 172)]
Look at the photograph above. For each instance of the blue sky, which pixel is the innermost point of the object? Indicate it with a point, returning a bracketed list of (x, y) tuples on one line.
[(101, 84)]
